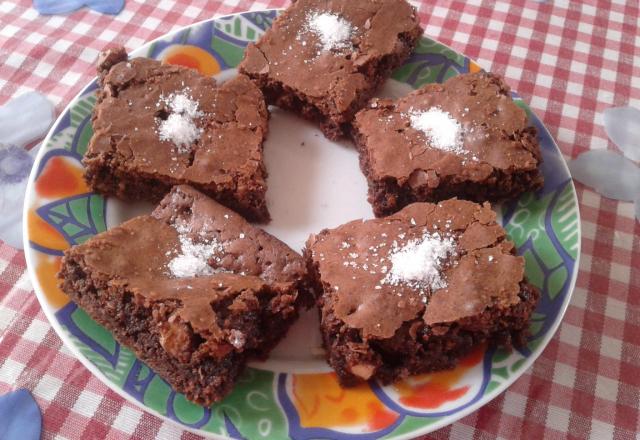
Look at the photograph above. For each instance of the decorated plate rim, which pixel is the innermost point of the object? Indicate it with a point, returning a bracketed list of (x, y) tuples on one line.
[(428, 428)]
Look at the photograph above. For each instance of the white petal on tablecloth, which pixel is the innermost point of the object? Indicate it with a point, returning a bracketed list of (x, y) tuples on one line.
[(25, 119), (622, 125), (608, 173), (11, 201)]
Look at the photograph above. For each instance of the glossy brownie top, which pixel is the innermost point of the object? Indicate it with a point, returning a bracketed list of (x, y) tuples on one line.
[(322, 48), (491, 132), (440, 262), (189, 238), (155, 119)]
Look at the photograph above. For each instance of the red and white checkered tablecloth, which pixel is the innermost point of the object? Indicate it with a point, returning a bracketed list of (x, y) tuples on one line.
[(570, 60)]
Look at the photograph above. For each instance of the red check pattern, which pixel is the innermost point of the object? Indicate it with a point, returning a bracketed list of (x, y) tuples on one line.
[(570, 60)]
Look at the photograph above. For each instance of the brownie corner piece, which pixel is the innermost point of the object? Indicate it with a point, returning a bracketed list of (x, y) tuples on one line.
[(193, 289), (465, 138), (324, 60), (157, 125), (416, 291)]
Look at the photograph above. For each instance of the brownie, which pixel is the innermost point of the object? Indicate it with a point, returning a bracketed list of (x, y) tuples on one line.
[(465, 138), (323, 59), (193, 289), (158, 125), (415, 291)]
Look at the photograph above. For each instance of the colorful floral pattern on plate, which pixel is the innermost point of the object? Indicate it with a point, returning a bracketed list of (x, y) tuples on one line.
[(271, 404)]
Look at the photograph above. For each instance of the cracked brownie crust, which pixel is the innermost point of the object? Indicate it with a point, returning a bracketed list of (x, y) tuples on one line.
[(196, 332), (501, 159), (376, 329), (126, 157), (330, 86)]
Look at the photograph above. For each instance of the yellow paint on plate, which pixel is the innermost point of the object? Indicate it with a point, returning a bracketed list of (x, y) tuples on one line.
[(47, 267), (473, 67), (43, 234), (321, 402)]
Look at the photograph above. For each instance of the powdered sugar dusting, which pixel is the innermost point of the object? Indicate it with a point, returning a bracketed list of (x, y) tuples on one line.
[(443, 131), (237, 338), (193, 258), (419, 262), (180, 127), (334, 31)]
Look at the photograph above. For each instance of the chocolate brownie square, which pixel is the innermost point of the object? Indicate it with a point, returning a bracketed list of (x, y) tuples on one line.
[(324, 59), (415, 291), (159, 125), (193, 289), (465, 138)]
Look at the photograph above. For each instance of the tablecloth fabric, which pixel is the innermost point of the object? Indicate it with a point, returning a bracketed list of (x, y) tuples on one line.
[(569, 60)]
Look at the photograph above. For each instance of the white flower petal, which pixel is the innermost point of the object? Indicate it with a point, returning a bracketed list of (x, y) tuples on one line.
[(25, 119), (609, 173), (622, 125), (11, 201)]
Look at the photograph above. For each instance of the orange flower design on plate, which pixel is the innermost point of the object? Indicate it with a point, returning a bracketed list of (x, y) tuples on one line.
[(321, 402), (191, 56), (432, 391), (46, 269), (60, 177)]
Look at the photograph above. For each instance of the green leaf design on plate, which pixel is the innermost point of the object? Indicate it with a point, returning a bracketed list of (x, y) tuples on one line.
[(102, 338), (411, 424), (523, 105), (186, 411), (555, 281), (77, 218), (526, 229), (535, 275), (535, 327), (500, 355), (431, 62), (528, 223), (239, 27), (84, 138), (82, 109), (535, 343), (517, 365), (503, 362), (252, 406), (503, 372), (157, 393), (230, 53), (564, 220), (428, 46), (79, 113), (491, 386)]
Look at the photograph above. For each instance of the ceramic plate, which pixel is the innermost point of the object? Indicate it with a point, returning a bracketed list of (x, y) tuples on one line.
[(313, 183)]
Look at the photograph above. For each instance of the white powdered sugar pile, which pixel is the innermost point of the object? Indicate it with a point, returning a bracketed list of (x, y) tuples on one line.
[(419, 262), (180, 127), (193, 258), (443, 131), (333, 31)]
